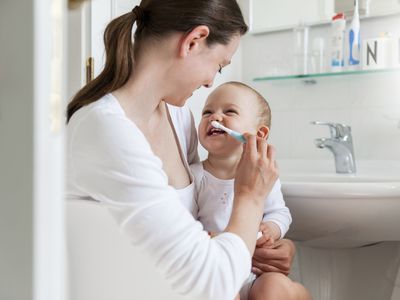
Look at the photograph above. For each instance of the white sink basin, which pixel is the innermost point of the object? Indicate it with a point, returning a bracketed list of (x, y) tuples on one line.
[(342, 210)]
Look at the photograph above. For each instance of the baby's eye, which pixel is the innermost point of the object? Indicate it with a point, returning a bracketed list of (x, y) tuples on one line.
[(231, 112), (206, 113)]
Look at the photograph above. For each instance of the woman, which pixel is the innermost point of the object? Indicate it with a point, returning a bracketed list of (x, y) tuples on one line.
[(130, 141)]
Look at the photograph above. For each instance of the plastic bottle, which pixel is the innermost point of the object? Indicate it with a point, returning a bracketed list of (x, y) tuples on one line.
[(318, 55), (354, 39), (337, 43), (301, 49)]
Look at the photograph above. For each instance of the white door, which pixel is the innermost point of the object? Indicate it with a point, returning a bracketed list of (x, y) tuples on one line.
[(101, 12)]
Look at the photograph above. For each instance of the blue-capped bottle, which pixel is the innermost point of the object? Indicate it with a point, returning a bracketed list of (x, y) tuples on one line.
[(354, 39), (338, 42)]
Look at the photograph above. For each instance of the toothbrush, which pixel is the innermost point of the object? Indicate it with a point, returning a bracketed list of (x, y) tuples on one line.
[(231, 132)]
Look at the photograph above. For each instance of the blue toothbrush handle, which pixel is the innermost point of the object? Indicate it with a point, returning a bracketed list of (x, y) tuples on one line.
[(239, 137)]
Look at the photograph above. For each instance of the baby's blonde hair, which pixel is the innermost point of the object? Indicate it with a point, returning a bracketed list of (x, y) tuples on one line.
[(264, 115)]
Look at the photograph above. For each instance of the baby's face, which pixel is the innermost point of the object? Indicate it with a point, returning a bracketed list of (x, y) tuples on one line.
[(233, 107)]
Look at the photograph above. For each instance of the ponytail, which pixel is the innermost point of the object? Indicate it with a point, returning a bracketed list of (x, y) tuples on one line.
[(118, 66)]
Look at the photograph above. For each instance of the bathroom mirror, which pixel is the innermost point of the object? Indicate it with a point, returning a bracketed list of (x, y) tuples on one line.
[(274, 15)]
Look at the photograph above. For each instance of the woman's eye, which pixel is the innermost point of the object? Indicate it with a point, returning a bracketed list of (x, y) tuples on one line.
[(220, 69)]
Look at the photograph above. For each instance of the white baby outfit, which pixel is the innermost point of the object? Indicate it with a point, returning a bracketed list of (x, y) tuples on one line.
[(215, 200)]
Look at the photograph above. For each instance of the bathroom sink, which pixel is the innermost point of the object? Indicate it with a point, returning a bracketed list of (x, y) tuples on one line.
[(342, 210)]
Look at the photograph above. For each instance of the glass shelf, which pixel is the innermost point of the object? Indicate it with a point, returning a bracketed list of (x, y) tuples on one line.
[(312, 77)]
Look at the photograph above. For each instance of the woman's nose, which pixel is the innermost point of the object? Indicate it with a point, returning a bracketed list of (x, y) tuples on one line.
[(209, 83)]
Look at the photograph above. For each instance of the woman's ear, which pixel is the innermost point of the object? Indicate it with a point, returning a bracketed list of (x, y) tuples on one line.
[(193, 40), (263, 132)]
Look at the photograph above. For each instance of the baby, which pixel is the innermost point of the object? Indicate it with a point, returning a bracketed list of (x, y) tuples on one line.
[(240, 108)]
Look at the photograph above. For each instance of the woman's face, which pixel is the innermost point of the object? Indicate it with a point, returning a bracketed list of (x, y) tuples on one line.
[(199, 69)]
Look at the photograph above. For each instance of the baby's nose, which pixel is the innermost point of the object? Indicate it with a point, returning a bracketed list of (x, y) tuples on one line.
[(215, 117)]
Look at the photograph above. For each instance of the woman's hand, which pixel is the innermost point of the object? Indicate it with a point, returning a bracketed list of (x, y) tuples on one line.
[(257, 171), (277, 258)]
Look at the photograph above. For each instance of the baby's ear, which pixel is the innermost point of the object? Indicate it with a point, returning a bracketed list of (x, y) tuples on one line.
[(263, 132)]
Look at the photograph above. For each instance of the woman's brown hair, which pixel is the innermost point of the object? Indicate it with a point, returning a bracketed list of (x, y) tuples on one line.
[(156, 19)]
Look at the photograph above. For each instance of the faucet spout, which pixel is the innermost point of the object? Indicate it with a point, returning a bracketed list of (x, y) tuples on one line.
[(320, 143), (341, 145)]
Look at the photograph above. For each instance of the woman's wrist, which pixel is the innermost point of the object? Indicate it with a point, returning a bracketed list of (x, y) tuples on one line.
[(248, 197), (245, 220)]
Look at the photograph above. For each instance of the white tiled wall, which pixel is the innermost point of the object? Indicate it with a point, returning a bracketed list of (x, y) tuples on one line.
[(370, 104)]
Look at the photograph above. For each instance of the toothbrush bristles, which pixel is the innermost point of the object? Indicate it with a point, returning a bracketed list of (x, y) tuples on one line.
[(215, 124)]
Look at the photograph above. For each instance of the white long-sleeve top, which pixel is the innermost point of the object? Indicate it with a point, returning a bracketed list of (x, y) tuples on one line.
[(215, 201), (110, 160)]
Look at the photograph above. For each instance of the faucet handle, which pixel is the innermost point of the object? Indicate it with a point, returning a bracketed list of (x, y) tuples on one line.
[(337, 130)]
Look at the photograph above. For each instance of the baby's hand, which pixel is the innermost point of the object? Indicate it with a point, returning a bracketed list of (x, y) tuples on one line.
[(267, 238)]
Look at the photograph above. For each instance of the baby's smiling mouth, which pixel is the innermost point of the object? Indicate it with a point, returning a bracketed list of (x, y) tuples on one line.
[(215, 131)]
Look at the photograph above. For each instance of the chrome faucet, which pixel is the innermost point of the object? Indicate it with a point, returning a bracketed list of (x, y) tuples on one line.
[(341, 145)]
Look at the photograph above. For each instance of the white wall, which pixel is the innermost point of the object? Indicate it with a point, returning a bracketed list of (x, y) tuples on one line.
[(369, 103), (16, 149)]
